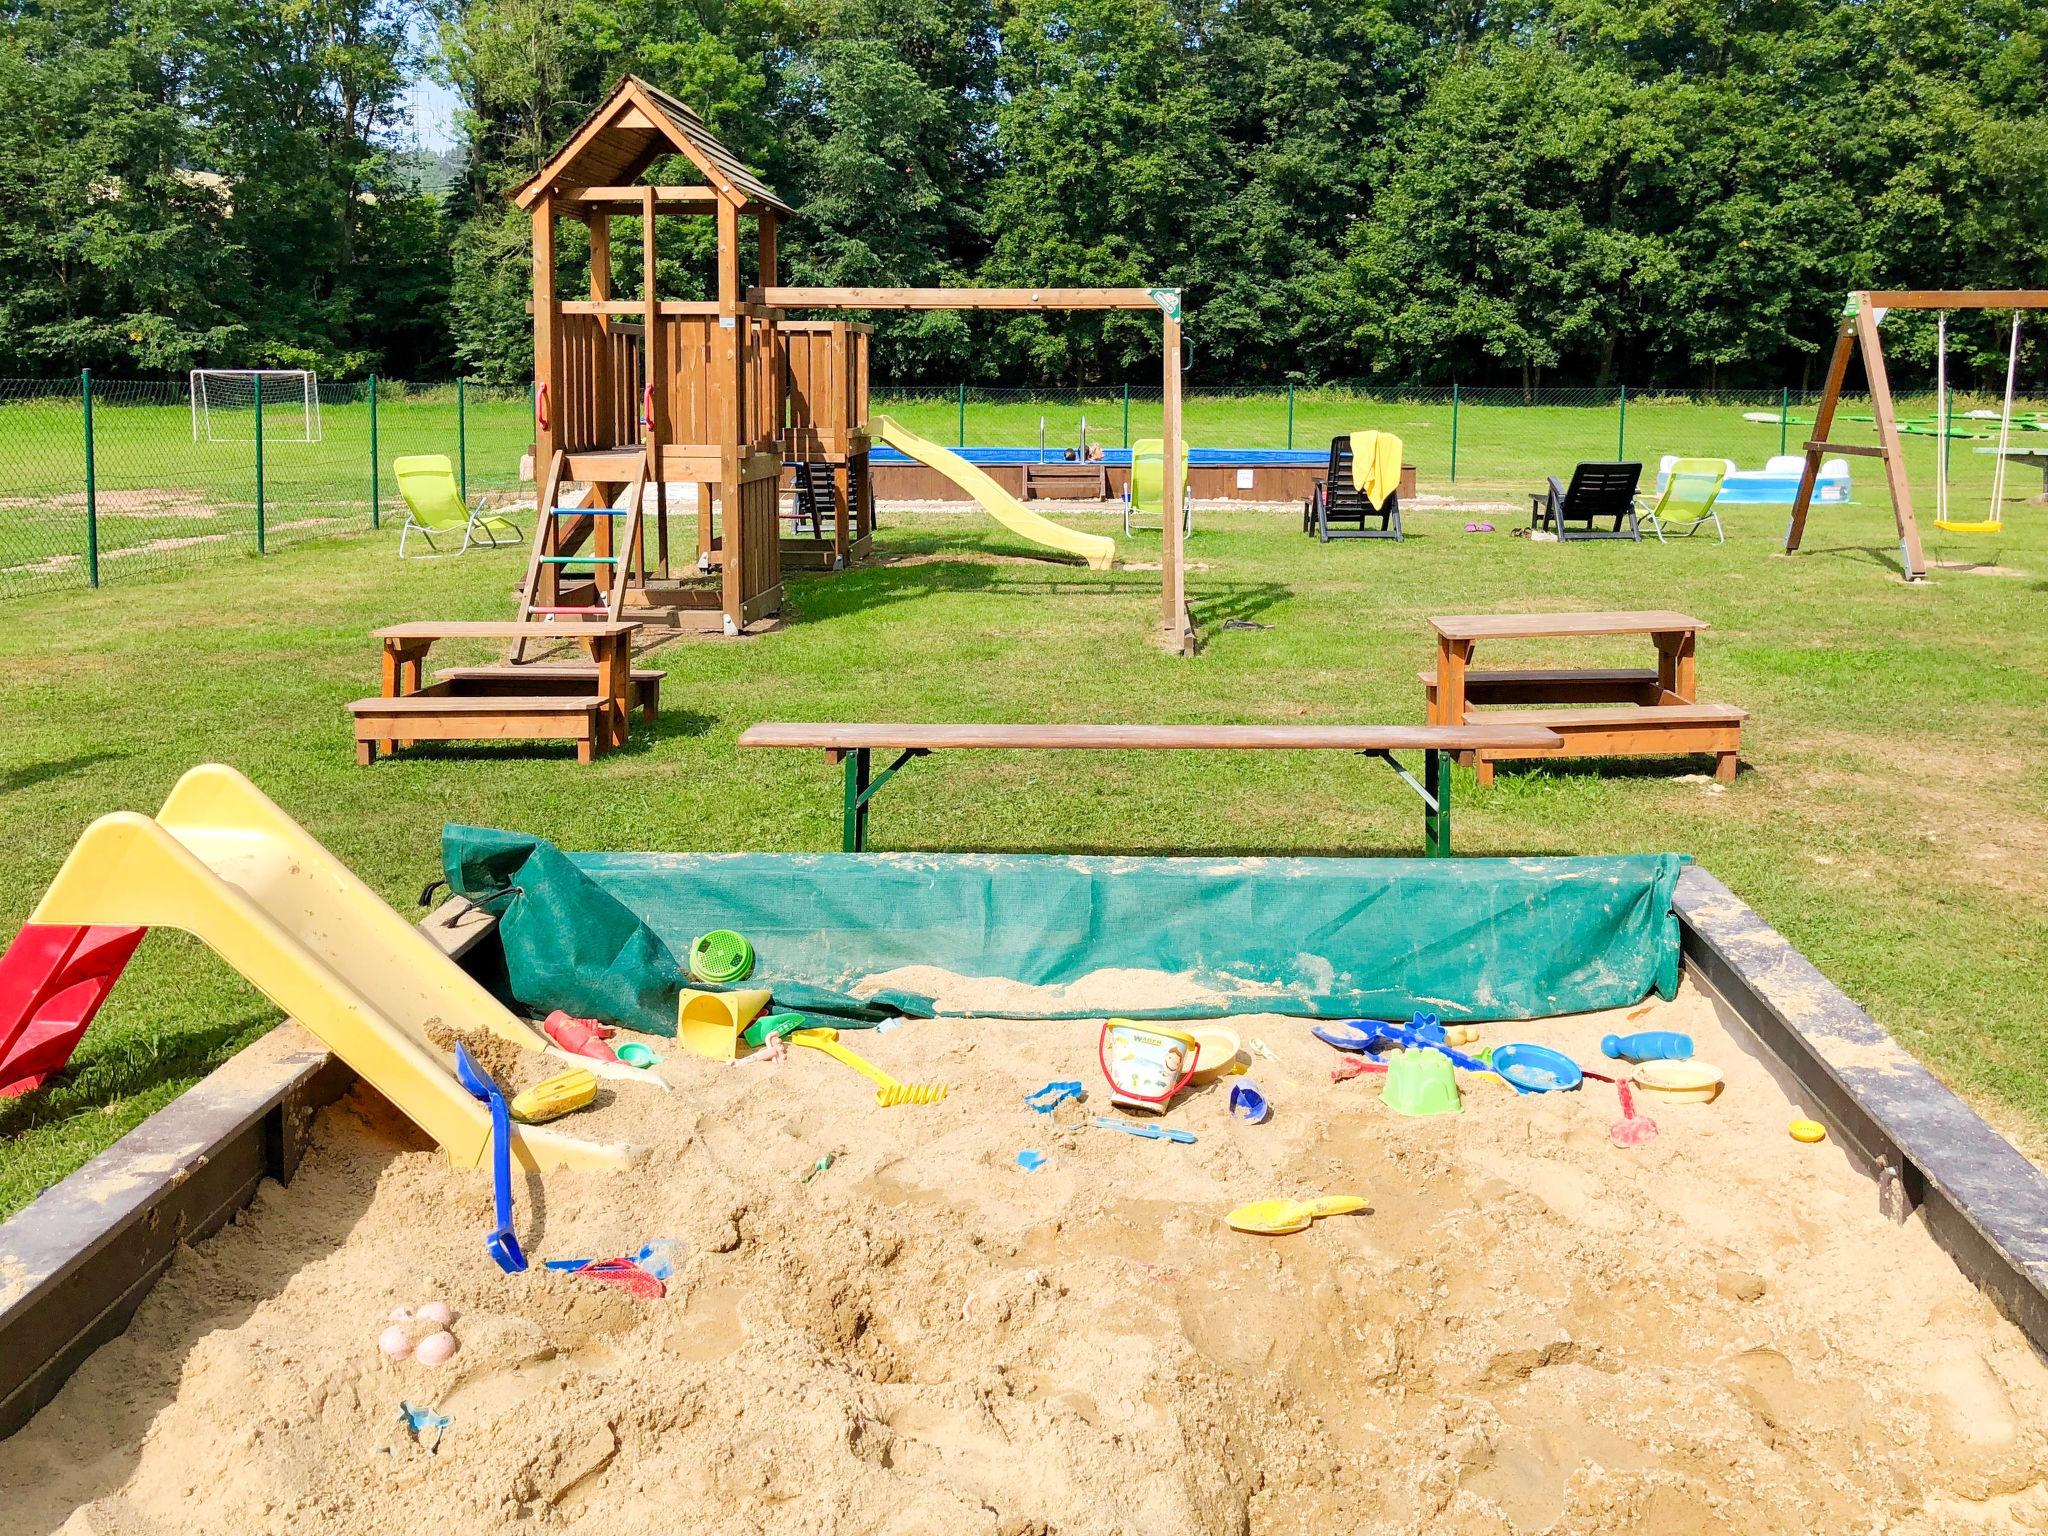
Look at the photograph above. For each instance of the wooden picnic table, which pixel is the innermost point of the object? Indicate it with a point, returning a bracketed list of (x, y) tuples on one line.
[(1613, 711), (408, 709), (852, 743)]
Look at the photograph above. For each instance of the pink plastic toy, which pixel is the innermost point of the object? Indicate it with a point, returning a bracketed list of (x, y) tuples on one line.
[(579, 1037)]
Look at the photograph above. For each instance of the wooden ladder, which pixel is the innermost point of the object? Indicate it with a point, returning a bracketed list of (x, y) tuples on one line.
[(614, 563)]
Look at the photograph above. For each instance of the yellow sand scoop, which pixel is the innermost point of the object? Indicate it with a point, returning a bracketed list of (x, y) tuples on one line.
[(888, 1092), (557, 1096)]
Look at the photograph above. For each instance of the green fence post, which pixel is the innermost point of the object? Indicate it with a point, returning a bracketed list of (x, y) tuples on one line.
[(1290, 413), (258, 397), (92, 499), (963, 415), (1784, 415), (1621, 431), (375, 520), (462, 440), (1454, 434), (1127, 416)]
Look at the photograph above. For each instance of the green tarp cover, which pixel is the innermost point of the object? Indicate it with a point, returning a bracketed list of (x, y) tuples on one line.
[(1472, 939)]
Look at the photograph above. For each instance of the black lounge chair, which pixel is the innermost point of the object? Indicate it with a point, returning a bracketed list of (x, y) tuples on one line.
[(1597, 491), (1336, 500)]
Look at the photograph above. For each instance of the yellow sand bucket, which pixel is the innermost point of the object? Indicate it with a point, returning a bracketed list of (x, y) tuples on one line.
[(709, 1023)]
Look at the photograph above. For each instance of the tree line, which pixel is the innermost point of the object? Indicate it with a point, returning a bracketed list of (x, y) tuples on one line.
[(1532, 192)]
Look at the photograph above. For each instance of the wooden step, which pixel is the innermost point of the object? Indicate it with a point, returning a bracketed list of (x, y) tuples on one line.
[(1618, 685), (1656, 730), (1427, 676)]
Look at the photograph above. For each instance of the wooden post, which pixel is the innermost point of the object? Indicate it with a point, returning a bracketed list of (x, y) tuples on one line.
[(654, 367), (547, 394), (766, 222), (728, 380), (604, 385), (1172, 578), (1910, 557)]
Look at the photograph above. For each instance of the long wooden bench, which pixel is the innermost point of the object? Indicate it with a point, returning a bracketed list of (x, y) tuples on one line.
[(383, 724), (508, 679), (852, 743)]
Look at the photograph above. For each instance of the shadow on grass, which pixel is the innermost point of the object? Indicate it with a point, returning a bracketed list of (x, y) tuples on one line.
[(29, 775), (1673, 767), (670, 724), (1885, 557), (135, 1064)]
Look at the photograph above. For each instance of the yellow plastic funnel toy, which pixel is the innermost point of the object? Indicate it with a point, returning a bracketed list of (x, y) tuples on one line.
[(709, 1023)]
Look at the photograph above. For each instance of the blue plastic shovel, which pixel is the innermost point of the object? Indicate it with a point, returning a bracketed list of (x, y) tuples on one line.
[(502, 1244), (1149, 1132)]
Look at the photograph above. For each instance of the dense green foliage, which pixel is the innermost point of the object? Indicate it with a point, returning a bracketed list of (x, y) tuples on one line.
[(1534, 191)]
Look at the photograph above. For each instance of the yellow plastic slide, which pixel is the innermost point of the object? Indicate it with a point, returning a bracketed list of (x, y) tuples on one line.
[(1006, 509), (225, 864)]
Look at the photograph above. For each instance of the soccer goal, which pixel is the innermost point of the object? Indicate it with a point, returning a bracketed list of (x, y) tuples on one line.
[(225, 402)]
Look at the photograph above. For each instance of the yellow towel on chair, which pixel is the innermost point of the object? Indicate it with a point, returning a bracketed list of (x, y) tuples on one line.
[(1376, 465)]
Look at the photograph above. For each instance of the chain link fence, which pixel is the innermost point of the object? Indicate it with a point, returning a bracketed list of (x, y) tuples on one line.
[(109, 481)]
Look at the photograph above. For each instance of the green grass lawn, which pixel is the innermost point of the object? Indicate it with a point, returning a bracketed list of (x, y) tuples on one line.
[(1892, 817)]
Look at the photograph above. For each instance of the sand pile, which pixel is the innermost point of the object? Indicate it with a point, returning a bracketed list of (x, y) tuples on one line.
[(1531, 1329)]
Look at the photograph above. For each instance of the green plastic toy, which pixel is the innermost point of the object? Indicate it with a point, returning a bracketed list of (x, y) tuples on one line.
[(1421, 1083), (769, 1025), (721, 957)]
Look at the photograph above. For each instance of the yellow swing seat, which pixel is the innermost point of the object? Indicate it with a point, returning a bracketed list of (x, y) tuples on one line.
[(1949, 526)]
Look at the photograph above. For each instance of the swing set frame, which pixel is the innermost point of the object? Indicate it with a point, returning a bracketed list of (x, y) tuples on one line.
[(1859, 332)]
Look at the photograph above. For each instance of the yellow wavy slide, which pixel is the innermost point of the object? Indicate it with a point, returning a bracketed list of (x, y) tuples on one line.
[(225, 864), (1006, 509)]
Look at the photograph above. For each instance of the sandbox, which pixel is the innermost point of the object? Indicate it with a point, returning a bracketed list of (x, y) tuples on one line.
[(1530, 1328)]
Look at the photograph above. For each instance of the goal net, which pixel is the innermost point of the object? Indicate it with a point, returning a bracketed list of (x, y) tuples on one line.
[(226, 401)]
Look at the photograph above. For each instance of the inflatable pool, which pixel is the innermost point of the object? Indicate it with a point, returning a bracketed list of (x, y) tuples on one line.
[(1776, 484)]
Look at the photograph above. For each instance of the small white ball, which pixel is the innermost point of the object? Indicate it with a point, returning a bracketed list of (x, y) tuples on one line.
[(435, 1348), (439, 1313), (395, 1342), (398, 1315)]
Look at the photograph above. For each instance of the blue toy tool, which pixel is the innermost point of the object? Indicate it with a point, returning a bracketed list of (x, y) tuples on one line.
[(1248, 1104), (1149, 1132), (1356, 1038), (1650, 1045), (1031, 1160), (1535, 1068), (418, 1421), (1053, 1095), (503, 1243)]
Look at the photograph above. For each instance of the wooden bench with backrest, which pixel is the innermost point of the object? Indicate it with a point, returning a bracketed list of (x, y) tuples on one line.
[(1067, 480), (510, 679), (852, 744)]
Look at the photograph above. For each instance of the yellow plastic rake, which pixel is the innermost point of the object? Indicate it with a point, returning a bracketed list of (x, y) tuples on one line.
[(888, 1091)]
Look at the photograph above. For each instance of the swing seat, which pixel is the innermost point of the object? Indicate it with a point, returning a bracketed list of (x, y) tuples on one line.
[(1949, 526)]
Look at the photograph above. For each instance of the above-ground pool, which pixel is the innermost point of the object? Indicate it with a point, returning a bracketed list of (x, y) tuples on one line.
[(1776, 484), (1120, 458)]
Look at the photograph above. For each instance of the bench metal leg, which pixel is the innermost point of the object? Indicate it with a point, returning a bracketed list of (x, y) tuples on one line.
[(854, 833), (862, 785), (1436, 818), (1434, 790)]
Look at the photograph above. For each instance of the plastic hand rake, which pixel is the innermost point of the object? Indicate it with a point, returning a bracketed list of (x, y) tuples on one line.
[(888, 1091)]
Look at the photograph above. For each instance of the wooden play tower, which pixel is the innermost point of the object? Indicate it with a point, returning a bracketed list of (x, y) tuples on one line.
[(633, 395)]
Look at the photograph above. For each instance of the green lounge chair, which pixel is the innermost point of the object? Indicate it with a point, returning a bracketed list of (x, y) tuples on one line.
[(434, 506), (1146, 494), (1686, 504)]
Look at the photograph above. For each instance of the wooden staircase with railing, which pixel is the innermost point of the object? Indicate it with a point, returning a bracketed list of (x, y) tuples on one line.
[(586, 554)]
